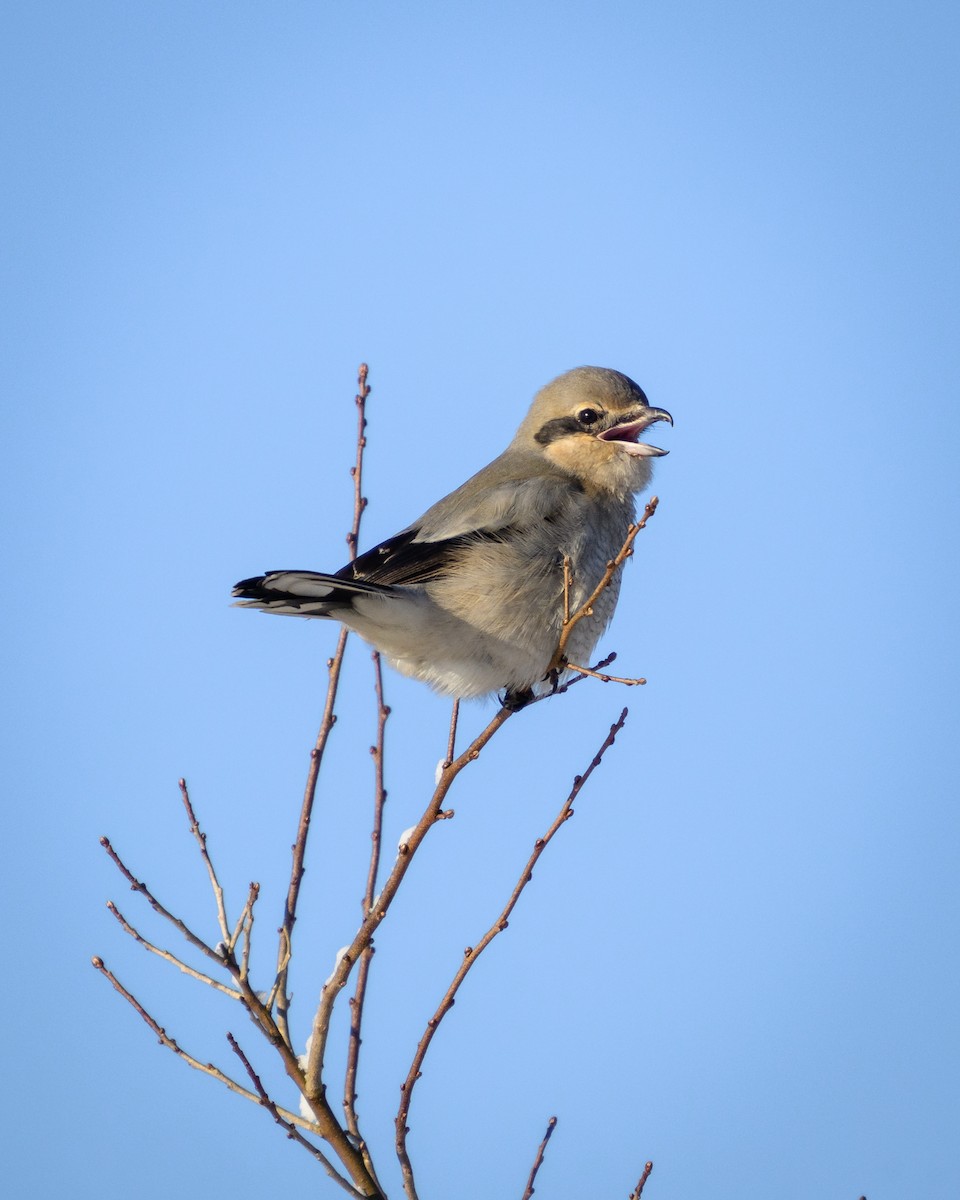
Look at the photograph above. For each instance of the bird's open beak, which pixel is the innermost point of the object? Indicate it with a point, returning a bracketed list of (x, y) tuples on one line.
[(626, 433)]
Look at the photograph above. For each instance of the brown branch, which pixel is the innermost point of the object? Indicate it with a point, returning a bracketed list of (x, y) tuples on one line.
[(560, 688), (452, 739), (538, 1162), (571, 620), (226, 959), (245, 912), (567, 584), (472, 953), (166, 1040), (201, 839), (638, 1190), (167, 956), (366, 956), (137, 885), (325, 1124), (327, 722), (364, 935), (245, 925), (291, 1130), (630, 682), (356, 471), (254, 1005), (279, 993)]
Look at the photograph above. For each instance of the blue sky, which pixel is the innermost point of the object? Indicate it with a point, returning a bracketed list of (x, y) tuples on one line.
[(740, 959)]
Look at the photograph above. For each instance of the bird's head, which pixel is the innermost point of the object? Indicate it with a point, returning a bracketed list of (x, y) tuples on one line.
[(587, 422)]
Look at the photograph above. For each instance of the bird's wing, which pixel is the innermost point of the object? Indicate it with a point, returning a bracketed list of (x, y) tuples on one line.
[(404, 560), (476, 512)]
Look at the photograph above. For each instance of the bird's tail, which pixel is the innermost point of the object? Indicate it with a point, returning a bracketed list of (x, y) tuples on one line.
[(302, 593)]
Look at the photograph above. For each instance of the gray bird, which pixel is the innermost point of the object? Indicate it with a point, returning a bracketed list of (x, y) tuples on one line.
[(469, 598)]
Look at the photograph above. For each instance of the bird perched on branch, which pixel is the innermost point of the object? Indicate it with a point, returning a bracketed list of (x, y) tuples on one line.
[(470, 597)]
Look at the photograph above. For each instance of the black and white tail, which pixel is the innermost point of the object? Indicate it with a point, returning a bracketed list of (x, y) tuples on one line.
[(302, 593)]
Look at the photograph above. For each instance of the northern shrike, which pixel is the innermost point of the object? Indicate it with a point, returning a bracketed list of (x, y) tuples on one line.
[(469, 598)]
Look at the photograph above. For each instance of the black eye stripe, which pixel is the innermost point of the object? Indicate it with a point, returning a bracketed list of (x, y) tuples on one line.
[(557, 428), (563, 426)]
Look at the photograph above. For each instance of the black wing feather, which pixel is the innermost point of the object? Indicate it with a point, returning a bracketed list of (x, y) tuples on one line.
[(402, 559)]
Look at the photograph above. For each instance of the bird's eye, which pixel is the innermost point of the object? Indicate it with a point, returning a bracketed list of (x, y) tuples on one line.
[(588, 416)]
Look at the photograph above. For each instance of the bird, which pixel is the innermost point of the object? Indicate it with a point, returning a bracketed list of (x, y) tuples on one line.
[(469, 598)]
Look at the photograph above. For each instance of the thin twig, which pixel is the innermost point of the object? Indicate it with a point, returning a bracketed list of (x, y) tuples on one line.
[(137, 885), (279, 993), (170, 958), (560, 688), (380, 796), (638, 1190), (362, 938), (325, 1124), (472, 953), (226, 959), (366, 956), (630, 682), (201, 839), (567, 584), (166, 1040), (571, 620), (452, 739), (246, 919), (244, 913), (538, 1162), (291, 1130), (356, 471)]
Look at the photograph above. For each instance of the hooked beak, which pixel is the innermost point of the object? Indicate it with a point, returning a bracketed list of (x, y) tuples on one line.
[(625, 434)]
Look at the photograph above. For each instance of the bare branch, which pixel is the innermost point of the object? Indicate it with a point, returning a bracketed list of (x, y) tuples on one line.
[(638, 1190), (356, 471), (567, 584), (137, 886), (165, 1040), (326, 1123), (538, 1162), (452, 739), (201, 839), (559, 688), (472, 953), (226, 959), (594, 674), (245, 912), (366, 955), (171, 958), (364, 935), (245, 924), (571, 620), (251, 1001), (279, 993), (292, 1132)]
